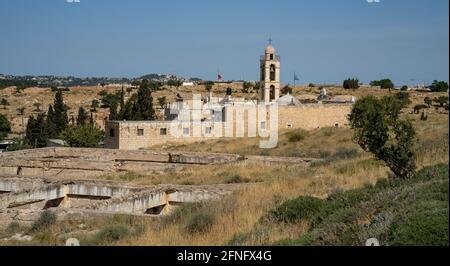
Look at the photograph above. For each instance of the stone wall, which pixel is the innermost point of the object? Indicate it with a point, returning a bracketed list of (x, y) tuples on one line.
[(127, 135), (313, 116)]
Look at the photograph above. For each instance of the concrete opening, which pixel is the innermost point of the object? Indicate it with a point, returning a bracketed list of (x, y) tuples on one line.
[(155, 210), (53, 203)]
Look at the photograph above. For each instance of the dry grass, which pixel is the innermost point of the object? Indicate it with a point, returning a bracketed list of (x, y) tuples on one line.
[(240, 213)]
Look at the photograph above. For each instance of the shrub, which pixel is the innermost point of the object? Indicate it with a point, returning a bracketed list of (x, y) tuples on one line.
[(297, 209), (345, 153), (112, 233), (424, 224), (351, 84), (13, 228), (236, 179), (199, 222), (46, 219), (439, 171), (297, 136)]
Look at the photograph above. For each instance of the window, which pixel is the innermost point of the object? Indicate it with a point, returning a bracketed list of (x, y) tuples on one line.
[(263, 125), (186, 131), (336, 125), (271, 56), (289, 125), (208, 130), (111, 132), (140, 132), (163, 131)]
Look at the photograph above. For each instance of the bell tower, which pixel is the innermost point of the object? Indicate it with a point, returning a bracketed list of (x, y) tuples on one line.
[(270, 75)]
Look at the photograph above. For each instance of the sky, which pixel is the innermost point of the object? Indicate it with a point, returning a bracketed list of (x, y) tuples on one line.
[(323, 41)]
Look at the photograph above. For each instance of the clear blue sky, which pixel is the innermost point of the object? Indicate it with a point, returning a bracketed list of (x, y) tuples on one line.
[(322, 40)]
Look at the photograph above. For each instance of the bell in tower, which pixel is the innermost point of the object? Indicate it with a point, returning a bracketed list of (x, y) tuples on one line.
[(270, 75)]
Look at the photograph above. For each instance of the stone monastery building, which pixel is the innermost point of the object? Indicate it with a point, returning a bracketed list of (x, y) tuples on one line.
[(201, 119)]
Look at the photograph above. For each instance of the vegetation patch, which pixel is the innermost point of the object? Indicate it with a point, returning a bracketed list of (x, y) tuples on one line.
[(397, 212)]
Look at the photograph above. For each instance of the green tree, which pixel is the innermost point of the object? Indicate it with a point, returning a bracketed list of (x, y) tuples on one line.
[(428, 101), (82, 116), (122, 99), (85, 136), (21, 112), (94, 105), (351, 83), (442, 101), (36, 134), (439, 86), (404, 99), (129, 90), (174, 83), (379, 130), (162, 102), (209, 86), (135, 83), (60, 118), (286, 90), (5, 126), (384, 84), (19, 144), (143, 106), (246, 87), (50, 125), (113, 111)]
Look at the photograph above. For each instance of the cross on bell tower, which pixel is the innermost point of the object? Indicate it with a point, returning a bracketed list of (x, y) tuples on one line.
[(270, 75)]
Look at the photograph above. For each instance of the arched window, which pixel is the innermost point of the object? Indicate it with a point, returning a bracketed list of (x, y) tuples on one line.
[(272, 72), (272, 92)]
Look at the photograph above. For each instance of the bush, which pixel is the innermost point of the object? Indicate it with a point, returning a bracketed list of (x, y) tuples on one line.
[(439, 171), (236, 179), (83, 136), (424, 224), (351, 84), (13, 228), (200, 222), (46, 219), (112, 233), (297, 209), (297, 136)]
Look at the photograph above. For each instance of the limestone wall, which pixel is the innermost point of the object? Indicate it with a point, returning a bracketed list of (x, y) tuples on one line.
[(313, 116), (145, 134)]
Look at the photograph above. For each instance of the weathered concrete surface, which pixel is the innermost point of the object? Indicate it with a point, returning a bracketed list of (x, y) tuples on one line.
[(163, 196), (28, 197), (73, 163)]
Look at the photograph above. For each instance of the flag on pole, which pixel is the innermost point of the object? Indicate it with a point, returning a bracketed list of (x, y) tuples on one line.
[(296, 78)]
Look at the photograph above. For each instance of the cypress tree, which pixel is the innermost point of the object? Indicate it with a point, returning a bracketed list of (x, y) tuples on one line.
[(36, 132), (122, 99), (113, 111), (50, 127), (143, 107), (82, 117), (60, 118)]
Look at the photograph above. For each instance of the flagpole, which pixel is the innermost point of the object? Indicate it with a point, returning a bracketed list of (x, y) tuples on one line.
[(294, 80)]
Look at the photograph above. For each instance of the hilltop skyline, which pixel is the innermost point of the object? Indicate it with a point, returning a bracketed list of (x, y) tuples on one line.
[(323, 41)]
